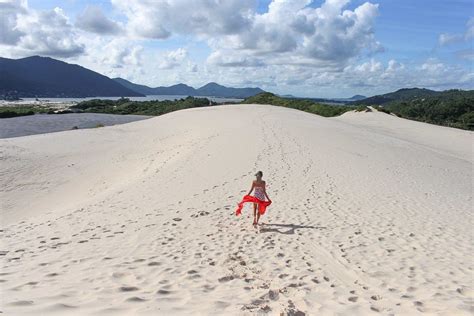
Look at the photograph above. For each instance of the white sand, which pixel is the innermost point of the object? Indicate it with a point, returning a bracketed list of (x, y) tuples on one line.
[(371, 214)]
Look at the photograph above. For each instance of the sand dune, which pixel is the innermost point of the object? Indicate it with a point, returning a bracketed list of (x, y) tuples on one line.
[(371, 214)]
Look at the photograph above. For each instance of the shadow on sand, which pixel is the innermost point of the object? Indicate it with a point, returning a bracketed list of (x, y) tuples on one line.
[(286, 229)]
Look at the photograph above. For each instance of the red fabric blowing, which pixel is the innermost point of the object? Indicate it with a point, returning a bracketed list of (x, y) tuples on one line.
[(248, 198)]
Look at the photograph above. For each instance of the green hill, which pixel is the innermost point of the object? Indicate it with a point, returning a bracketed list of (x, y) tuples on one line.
[(399, 95), (454, 108)]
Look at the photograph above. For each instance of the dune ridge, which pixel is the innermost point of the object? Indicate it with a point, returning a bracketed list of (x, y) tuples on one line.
[(371, 214)]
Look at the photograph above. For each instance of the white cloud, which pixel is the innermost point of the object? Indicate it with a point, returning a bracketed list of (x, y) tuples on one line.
[(47, 32), (93, 20), (161, 19), (447, 39), (327, 36), (192, 67), (232, 59), (466, 54), (469, 34), (432, 73), (119, 56), (9, 34), (173, 58), (292, 48), (291, 32), (112, 57), (394, 66), (370, 66)]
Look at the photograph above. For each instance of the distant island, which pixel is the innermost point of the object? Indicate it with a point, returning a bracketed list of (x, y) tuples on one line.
[(44, 77)]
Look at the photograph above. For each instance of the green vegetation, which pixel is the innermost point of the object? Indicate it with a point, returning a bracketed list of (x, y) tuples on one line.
[(363, 109), (301, 104), (453, 108), (23, 110), (382, 109), (152, 108), (406, 94)]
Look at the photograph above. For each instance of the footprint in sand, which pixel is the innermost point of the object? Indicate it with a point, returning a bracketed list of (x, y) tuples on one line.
[(226, 279), (128, 288), (136, 299), (21, 303), (163, 292)]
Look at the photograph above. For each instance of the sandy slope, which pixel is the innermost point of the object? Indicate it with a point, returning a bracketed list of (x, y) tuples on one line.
[(371, 215)]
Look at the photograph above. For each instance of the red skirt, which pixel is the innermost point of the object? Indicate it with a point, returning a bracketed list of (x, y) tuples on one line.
[(262, 205)]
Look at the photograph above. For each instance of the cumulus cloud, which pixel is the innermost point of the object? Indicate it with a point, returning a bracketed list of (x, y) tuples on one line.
[(47, 32), (173, 58), (160, 19), (368, 77), (232, 59), (447, 39), (113, 57), (9, 11), (432, 73), (294, 47), (292, 32), (93, 20), (192, 67), (119, 53)]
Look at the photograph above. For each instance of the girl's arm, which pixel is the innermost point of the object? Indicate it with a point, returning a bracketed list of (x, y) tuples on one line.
[(251, 189), (265, 191)]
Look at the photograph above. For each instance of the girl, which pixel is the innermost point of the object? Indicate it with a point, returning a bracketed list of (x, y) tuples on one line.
[(260, 193)]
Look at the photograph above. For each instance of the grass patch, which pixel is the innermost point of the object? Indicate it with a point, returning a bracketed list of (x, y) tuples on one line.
[(23, 110), (305, 105)]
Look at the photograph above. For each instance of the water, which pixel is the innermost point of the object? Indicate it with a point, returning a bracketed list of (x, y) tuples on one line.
[(42, 123), (48, 123), (145, 98)]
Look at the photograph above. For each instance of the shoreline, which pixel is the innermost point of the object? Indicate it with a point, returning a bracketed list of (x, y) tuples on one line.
[(39, 124)]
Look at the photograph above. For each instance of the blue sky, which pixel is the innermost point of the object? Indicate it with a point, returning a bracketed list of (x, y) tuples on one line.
[(332, 48)]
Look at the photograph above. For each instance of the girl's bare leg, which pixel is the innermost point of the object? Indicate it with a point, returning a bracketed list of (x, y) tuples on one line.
[(258, 216), (254, 214)]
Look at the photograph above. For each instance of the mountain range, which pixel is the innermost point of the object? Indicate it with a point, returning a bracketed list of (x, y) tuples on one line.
[(211, 89), (44, 77), (47, 77)]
